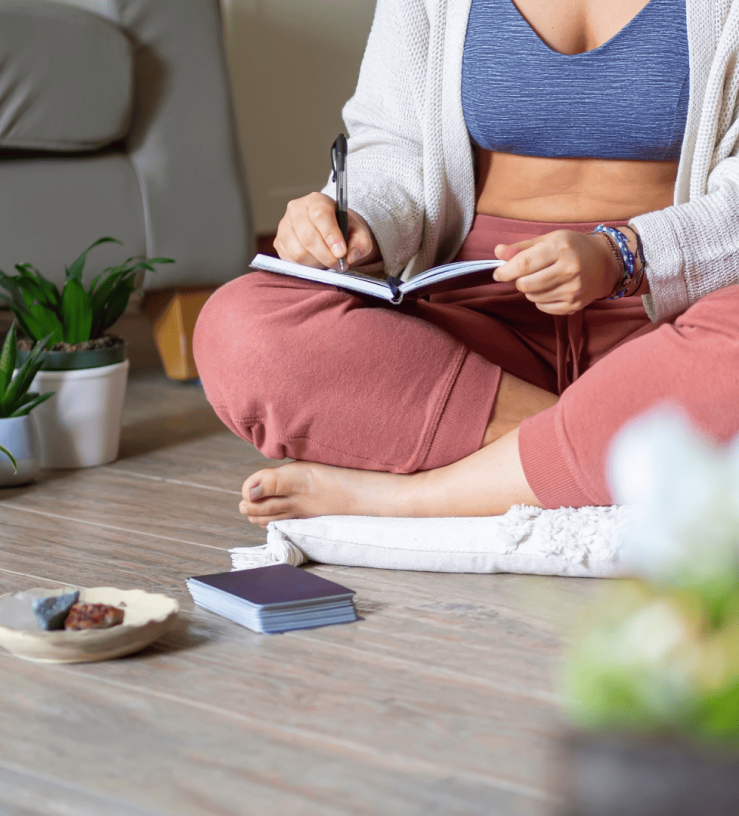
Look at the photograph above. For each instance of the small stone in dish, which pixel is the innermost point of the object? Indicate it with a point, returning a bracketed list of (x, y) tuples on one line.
[(51, 612), (93, 616)]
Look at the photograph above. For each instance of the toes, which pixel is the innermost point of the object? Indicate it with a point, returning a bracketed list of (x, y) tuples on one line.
[(260, 484), (273, 494), (263, 521), (269, 507)]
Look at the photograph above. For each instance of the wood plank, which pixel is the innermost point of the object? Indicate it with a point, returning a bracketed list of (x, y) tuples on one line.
[(88, 555), (505, 639), (220, 460), (32, 793), (109, 497), (390, 669), (484, 638), (415, 705), (209, 759), (386, 710), (546, 602)]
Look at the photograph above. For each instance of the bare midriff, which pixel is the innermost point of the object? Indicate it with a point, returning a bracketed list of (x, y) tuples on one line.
[(533, 188)]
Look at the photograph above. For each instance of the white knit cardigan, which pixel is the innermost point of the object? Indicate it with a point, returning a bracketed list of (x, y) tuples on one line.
[(411, 173)]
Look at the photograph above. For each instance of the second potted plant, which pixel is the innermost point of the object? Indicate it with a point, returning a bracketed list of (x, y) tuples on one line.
[(18, 437), (80, 426)]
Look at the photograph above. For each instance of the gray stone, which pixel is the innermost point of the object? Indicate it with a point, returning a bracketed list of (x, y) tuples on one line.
[(51, 612)]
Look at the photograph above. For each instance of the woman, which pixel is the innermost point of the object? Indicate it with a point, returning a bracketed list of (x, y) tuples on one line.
[(482, 127)]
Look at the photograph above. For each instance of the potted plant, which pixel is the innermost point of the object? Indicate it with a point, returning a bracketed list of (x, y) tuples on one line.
[(652, 680), (18, 437), (80, 426)]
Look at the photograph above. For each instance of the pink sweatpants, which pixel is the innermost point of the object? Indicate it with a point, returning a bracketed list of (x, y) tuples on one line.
[(304, 371)]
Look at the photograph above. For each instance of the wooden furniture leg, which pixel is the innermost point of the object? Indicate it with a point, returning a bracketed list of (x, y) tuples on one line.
[(172, 313)]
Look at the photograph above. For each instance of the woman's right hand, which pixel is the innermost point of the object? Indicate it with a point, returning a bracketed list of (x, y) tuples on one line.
[(309, 234)]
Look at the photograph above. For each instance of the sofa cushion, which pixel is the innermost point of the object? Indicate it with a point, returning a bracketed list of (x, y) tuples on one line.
[(66, 77)]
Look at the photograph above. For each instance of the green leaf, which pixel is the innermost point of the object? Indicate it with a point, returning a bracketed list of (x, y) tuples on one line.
[(719, 717), (18, 301), (27, 407), (76, 312), (116, 305), (48, 293), (74, 272), (10, 456), (106, 288), (12, 399), (7, 359), (42, 322), (23, 326), (94, 283), (31, 289)]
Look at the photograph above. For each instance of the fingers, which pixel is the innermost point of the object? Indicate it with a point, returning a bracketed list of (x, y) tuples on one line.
[(557, 308), (507, 251), (309, 234), (540, 283), (556, 271), (290, 248), (362, 245), (527, 258)]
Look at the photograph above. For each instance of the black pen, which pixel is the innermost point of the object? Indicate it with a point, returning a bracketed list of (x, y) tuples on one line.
[(338, 165)]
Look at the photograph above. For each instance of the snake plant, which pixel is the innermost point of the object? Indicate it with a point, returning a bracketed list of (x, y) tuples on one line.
[(15, 398)]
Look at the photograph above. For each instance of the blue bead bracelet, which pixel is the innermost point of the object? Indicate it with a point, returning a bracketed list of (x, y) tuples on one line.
[(622, 242)]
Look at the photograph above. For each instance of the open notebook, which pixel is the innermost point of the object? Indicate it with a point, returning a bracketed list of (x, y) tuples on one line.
[(456, 275)]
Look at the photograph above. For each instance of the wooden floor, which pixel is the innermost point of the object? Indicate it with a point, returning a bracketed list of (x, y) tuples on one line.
[(441, 700)]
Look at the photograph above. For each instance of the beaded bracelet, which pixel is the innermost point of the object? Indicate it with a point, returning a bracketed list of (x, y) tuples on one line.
[(639, 276), (639, 248), (627, 256), (615, 252)]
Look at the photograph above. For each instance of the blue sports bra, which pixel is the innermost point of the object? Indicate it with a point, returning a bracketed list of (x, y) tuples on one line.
[(626, 99)]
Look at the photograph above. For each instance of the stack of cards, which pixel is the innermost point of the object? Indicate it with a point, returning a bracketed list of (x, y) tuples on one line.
[(274, 599)]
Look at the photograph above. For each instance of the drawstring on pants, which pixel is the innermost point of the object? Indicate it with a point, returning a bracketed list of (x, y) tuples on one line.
[(570, 344)]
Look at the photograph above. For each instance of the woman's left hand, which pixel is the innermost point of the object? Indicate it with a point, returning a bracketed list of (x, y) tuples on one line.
[(560, 272)]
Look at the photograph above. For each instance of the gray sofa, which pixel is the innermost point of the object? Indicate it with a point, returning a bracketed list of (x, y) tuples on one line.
[(116, 119)]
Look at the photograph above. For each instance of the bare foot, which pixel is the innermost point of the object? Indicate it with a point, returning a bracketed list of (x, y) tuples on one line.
[(486, 483), (305, 489)]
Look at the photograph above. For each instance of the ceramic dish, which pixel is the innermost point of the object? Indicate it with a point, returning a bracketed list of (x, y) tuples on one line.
[(148, 616)]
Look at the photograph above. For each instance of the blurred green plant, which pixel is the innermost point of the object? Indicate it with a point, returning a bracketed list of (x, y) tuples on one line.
[(660, 653), (10, 456), (15, 398), (653, 660), (75, 314)]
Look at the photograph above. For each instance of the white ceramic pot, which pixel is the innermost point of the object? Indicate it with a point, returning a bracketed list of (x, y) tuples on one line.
[(80, 426), (18, 435)]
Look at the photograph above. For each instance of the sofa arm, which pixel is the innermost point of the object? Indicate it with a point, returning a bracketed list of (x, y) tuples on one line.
[(183, 142)]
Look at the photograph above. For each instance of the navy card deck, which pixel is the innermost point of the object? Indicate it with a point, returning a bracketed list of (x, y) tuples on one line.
[(274, 599)]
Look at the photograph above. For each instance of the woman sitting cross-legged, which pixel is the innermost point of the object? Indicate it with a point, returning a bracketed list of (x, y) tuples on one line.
[(593, 146)]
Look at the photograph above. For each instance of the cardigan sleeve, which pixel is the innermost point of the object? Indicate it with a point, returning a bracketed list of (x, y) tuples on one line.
[(385, 168), (692, 249)]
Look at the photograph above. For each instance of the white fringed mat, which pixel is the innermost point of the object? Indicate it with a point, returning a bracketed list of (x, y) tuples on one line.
[(582, 542)]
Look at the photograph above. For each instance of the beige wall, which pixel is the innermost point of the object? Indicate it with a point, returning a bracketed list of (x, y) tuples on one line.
[(293, 65)]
